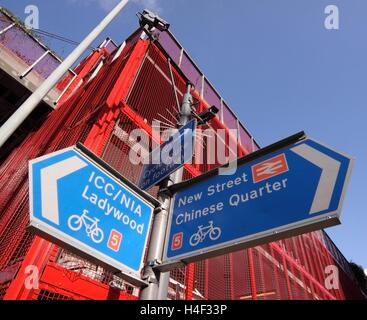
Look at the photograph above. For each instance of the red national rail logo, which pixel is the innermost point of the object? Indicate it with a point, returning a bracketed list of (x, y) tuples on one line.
[(269, 168)]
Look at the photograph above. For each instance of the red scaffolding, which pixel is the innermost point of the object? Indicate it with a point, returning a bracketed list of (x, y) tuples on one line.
[(133, 88)]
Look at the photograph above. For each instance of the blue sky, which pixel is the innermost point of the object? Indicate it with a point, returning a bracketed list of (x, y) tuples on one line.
[(273, 61)]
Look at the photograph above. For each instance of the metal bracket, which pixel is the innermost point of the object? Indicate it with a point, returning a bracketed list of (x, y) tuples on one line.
[(149, 274), (158, 210), (170, 265), (153, 263), (166, 192)]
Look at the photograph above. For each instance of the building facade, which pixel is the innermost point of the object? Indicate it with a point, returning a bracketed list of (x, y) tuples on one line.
[(113, 91)]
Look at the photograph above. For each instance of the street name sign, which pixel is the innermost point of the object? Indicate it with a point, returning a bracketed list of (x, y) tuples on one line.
[(295, 189), (169, 156), (77, 202)]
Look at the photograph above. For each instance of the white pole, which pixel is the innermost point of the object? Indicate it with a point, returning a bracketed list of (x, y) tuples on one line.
[(11, 125), (159, 282)]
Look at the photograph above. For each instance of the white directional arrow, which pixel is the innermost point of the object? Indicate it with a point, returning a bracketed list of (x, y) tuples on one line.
[(330, 169), (49, 177)]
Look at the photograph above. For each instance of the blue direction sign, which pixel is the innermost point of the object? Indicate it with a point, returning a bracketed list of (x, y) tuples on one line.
[(78, 203), (291, 191), (169, 156)]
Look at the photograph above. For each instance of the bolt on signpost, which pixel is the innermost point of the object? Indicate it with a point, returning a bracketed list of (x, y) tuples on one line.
[(79, 202), (292, 187)]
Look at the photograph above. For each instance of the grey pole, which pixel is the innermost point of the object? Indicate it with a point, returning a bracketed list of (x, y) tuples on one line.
[(158, 282), (11, 125)]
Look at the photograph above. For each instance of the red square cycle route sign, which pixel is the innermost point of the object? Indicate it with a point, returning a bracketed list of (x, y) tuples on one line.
[(115, 240), (177, 241)]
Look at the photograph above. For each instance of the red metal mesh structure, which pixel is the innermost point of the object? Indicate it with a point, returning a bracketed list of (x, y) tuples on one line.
[(132, 89)]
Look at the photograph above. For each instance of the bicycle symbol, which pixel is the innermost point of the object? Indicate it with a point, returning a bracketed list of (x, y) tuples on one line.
[(198, 237), (75, 223)]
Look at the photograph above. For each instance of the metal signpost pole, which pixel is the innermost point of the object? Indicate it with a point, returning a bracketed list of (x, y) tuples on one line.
[(158, 282)]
